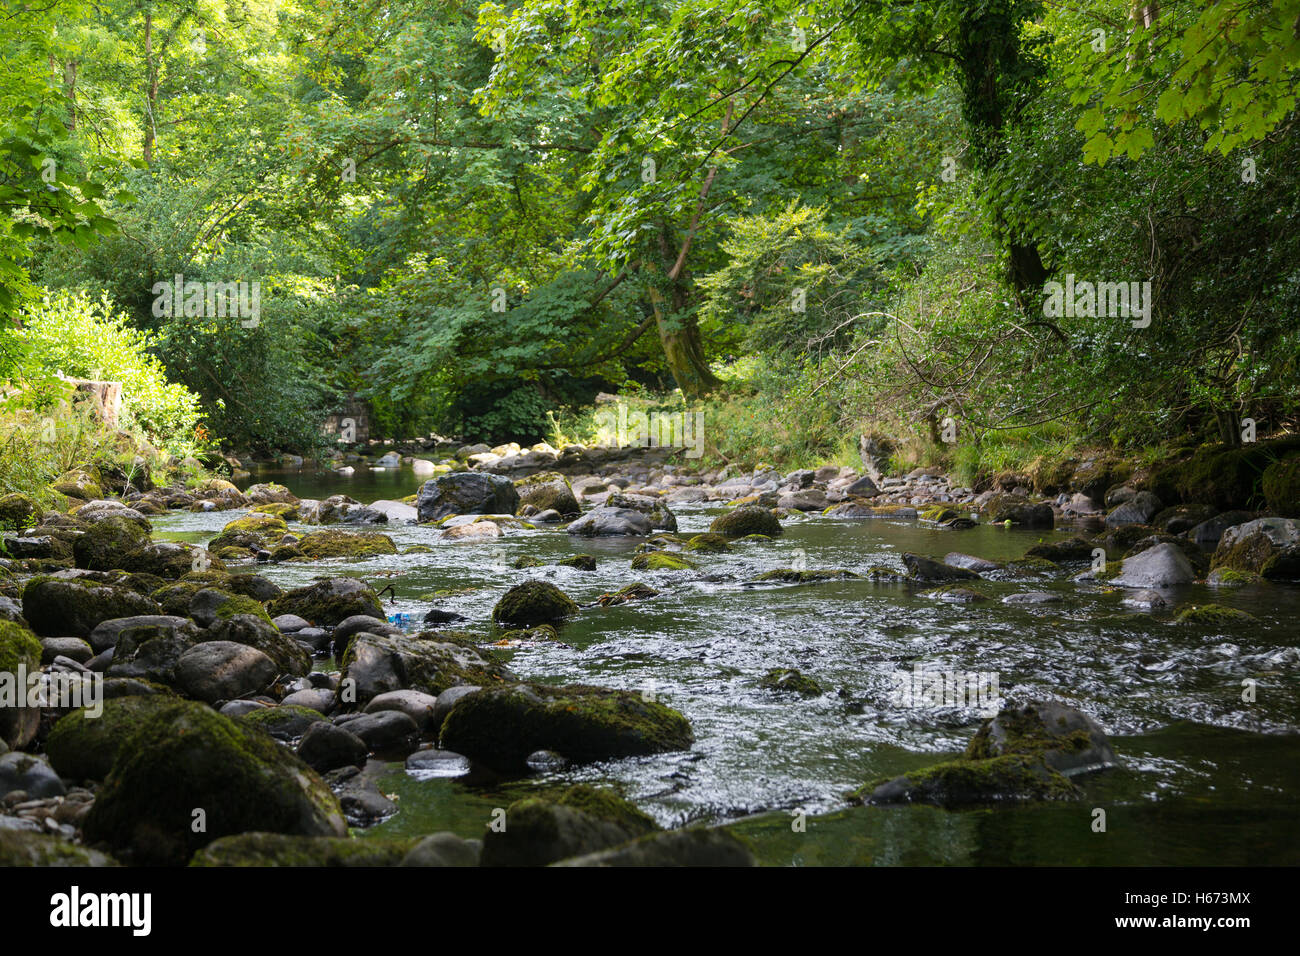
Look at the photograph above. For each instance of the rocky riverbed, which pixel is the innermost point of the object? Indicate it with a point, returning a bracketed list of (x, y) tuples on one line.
[(614, 657)]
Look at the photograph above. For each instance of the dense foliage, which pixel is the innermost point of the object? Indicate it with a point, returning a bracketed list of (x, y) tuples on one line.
[(821, 218)]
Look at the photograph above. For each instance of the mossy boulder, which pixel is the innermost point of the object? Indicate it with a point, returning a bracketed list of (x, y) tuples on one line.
[(709, 543), (168, 559), (1269, 547), (747, 520), (927, 570), (502, 726), (209, 605), (583, 562), (939, 513), (815, 576), (959, 783), (252, 532), (1065, 739), (83, 747), (1019, 510), (270, 493), (58, 607), (287, 722), (19, 651), (464, 493), (186, 758), (284, 510), (256, 630), (1071, 551), (533, 602), (279, 849), (1214, 615), (333, 543), (77, 484), (661, 561), (572, 822), (107, 542), (26, 849), (1281, 486), (1228, 578), (790, 680), (548, 490), (657, 512), (375, 664), (630, 592), (328, 602), (17, 511)]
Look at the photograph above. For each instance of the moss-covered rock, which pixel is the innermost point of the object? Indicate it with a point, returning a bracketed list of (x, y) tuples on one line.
[(374, 664), (572, 822), (279, 849), (286, 722), (19, 848), (257, 631), (1225, 477), (107, 542), (709, 543), (791, 576), (939, 513), (328, 602), (533, 602), (1019, 510), (170, 560), (253, 532), (631, 592), (583, 562), (790, 680), (77, 484), (1011, 779), (1065, 739), (925, 570), (1281, 486), (186, 758), (1214, 615), (1265, 546), (83, 747), (502, 726), (661, 561), (281, 509), (57, 607), (209, 605), (548, 490), (20, 652), (17, 511), (1063, 552), (1228, 578), (747, 520), (333, 543)]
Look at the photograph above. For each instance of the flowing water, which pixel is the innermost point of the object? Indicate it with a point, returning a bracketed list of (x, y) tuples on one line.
[(1207, 777)]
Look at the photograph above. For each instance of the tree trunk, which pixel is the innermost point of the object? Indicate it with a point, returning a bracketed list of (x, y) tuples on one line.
[(151, 83), (70, 90), (683, 347)]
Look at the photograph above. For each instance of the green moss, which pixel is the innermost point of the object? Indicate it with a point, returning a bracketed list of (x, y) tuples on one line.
[(280, 509), (332, 543), (709, 543), (790, 576), (631, 592), (533, 602), (241, 604), (745, 521), (938, 513), (18, 646), (417, 549), (1214, 615), (1014, 777), (107, 542), (604, 804), (583, 562), (661, 561), (883, 575), (82, 747), (287, 719), (19, 848), (526, 561), (278, 849), (17, 511), (542, 632), (1230, 578), (1281, 486), (788, 679)]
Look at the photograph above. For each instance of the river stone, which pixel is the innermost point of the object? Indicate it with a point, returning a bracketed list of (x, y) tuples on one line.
[(864, 487), (83, 747), (693, 846), (151, 651), (474, 531), (661, 517), (328, 602), (265, 493), (444, 849), (208, 605), (1145, 600), (466, 493), (397, 512), (385, 731), (604, 522), (223, 670), (19, 650), (438, 763), (28, 849), (447, 700), (921, 568), (747, 520), (32, 775), (278, 850), (60, 607), (1068, 740), (1019, 510), (1162, 566), (417, 705), (291, 623), (1258, 546), (533, 602), (1139, 509), (960, 783), (1032, 598), (548, 491), (320, 699), (169, 560), (969, 562), (108, 541), (288, 655), (501, 726), (377, 663), (241, 778), (241, 708), (573, 822), (326, 746), (107, 633)]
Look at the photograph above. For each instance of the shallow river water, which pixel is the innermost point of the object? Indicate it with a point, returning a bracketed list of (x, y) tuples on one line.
[(1207, 778)]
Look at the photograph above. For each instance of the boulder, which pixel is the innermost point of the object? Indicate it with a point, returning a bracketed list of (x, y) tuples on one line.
[(747, 520), (107, 542), (928, 570), (1161, 566), (548, 490), (19, 651), (328, 602), (1068, 740), (533, 602), (285, 652), (605, 522), (83, 747), (32, 775), (333, 543), (466, 493), (326, 746), (501, 726), (1269, 547), (378, 663), (223, 670), (186, 759), (1019, 510), (572, 822), (1139, 509), (277, 849), (57, 607), (107, 633)]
